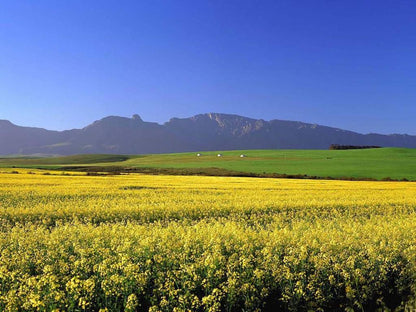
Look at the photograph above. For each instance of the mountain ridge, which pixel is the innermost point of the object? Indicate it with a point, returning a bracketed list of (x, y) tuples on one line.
[(202, 132)]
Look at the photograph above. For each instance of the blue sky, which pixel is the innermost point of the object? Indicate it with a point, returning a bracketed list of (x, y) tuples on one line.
[(349, 64)]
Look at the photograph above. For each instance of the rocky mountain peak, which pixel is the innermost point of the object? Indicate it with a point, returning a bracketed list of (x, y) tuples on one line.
[(211, 131), (137, 117)]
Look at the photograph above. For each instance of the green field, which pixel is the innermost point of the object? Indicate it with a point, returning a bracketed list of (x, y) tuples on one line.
[(394, 163)]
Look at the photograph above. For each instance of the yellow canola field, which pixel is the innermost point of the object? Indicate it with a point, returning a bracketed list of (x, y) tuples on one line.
[(175, 243)]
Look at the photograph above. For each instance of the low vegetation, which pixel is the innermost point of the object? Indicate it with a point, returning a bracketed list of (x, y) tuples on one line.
[(133, 242), (347, 147)]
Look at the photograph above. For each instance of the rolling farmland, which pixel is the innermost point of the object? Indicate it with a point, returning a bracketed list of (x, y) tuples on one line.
[(382, 163)]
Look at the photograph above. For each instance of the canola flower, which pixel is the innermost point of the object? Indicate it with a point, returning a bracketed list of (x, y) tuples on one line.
[(172, 243)]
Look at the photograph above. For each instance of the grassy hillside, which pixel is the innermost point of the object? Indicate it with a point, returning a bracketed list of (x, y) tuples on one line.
[(371, 163), (396, 163), (86, 159)]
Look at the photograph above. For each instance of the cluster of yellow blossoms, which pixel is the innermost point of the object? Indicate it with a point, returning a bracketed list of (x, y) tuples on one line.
[(170, 243)]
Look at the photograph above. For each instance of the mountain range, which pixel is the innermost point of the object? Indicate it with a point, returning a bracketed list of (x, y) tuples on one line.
[(204, 132)]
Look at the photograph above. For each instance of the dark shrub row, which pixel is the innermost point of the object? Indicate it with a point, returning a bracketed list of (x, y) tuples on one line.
[(347, 147)]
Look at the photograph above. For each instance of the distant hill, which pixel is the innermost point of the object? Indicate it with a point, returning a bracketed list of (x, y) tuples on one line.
[(212, 131)]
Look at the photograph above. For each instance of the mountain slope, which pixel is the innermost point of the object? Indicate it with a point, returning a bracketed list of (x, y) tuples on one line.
[(212, 131), (16, 140)]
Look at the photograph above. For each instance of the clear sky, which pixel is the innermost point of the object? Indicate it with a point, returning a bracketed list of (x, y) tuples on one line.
[(348, 64)]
